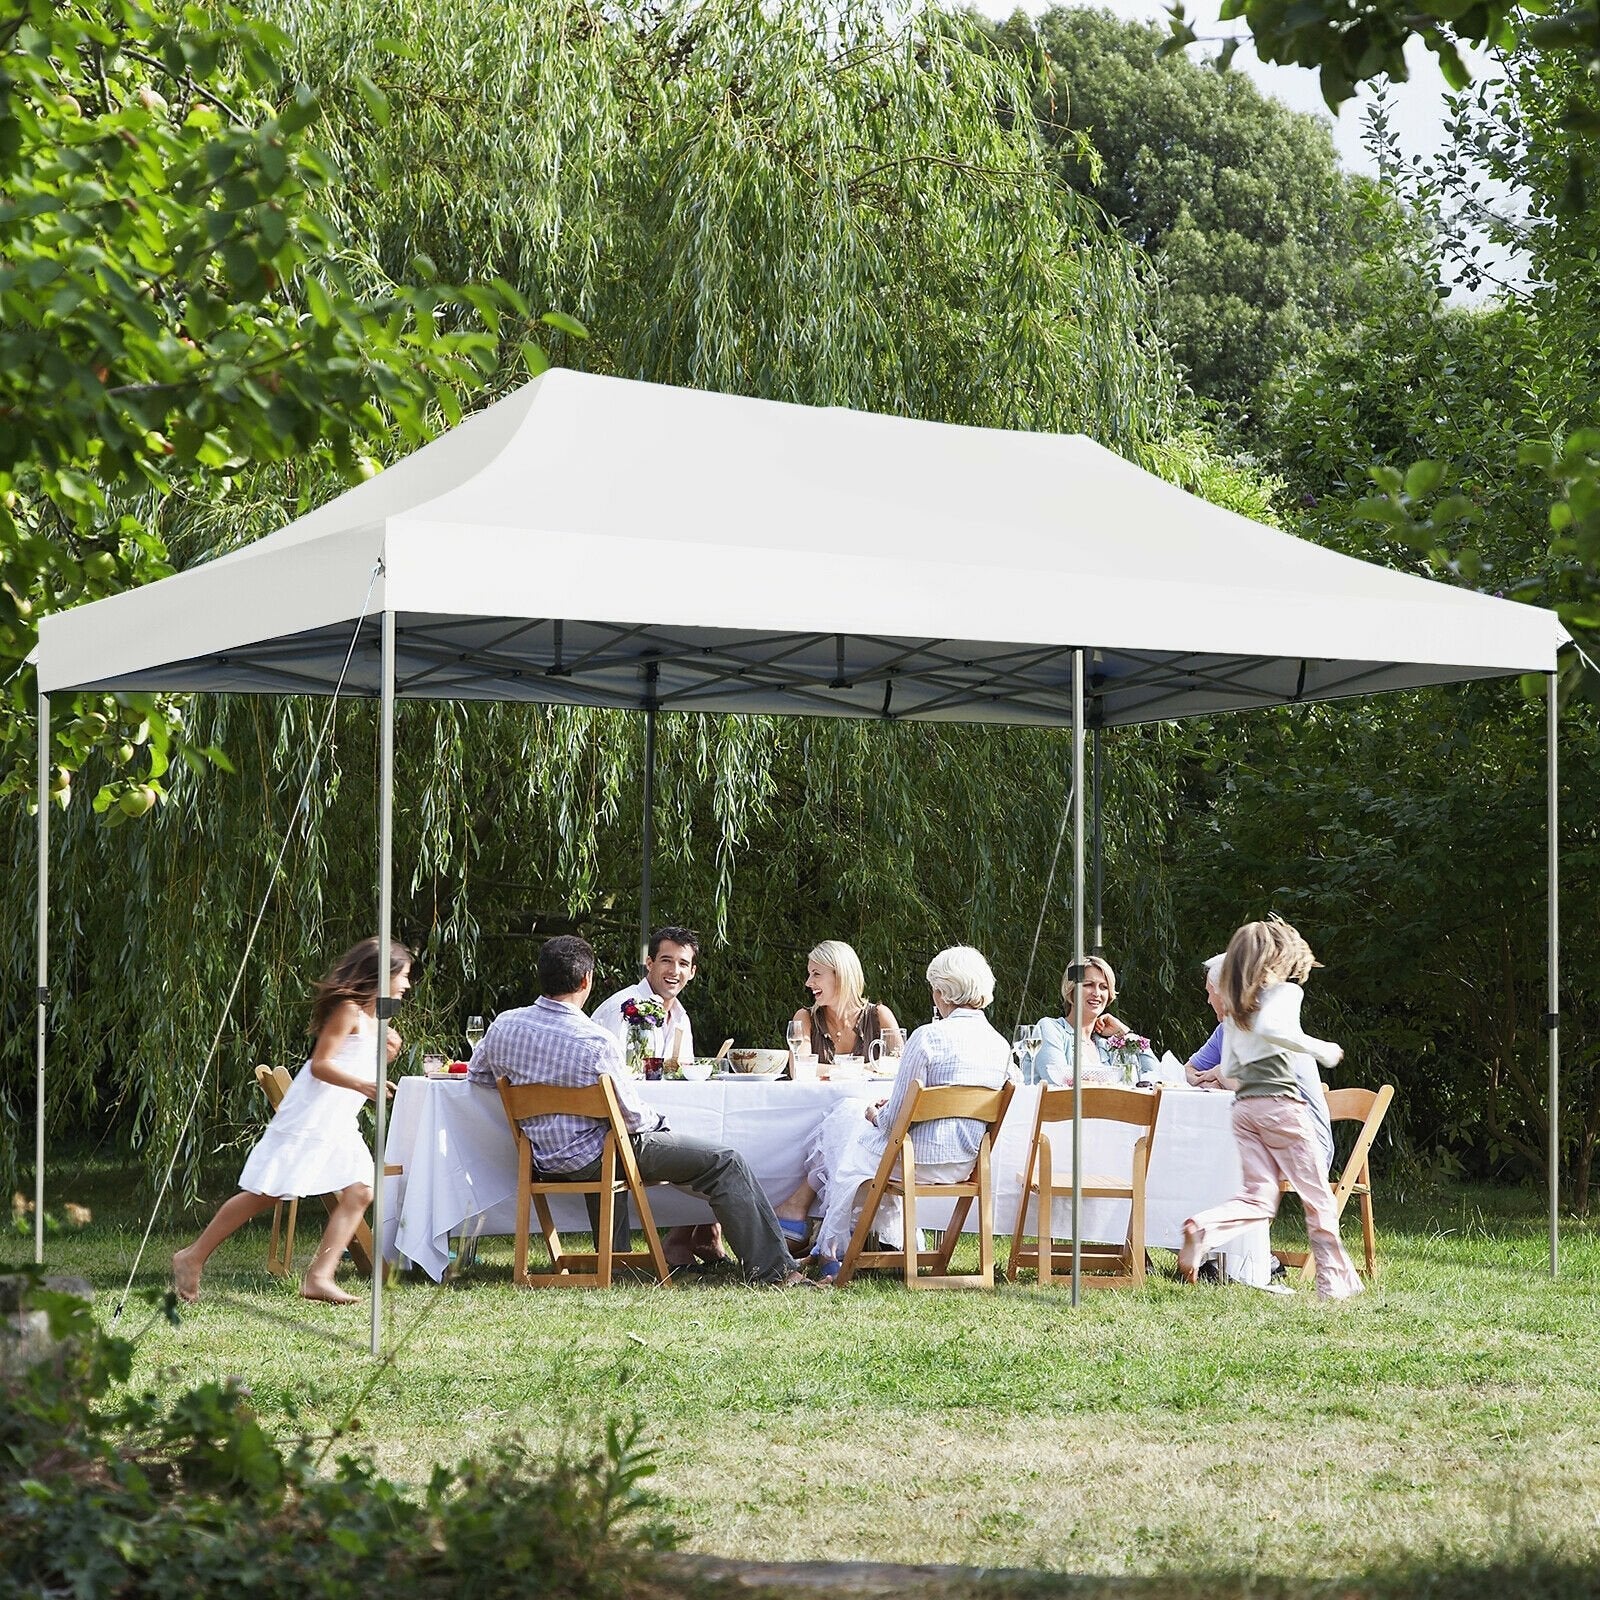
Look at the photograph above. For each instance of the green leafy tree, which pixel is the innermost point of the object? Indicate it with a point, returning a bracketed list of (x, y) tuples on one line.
[(1540, 133), (174, 307), (1499, 184), (1260, 240), (683, 160), (1351, 46), (1401, 803), (811, 201)]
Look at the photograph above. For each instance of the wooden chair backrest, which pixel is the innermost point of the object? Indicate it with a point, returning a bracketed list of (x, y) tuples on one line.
[(1355, 1105), (1137, 1107), (925, 1104), (274, 1083), (1366, 1106), (523, 1100)]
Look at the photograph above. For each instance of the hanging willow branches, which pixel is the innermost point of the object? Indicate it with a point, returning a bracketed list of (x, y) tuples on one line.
[(810, 202)]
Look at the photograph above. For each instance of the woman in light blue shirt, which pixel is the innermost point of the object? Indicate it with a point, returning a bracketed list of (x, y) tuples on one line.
[(1053, 1064)]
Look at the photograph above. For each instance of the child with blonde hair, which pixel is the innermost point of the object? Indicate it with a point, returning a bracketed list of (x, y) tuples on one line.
[(1260, 991)]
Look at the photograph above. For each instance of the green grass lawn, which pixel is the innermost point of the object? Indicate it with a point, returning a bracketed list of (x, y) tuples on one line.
[(1449, 1417)]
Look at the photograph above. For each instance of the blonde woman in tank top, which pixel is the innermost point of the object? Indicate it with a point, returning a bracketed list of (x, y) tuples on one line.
[(841, 1021)]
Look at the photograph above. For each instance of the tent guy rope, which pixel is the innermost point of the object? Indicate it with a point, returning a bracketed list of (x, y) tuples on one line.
[(250, 943)]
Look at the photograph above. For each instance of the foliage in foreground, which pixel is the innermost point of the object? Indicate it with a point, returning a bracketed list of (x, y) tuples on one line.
[(106, 1493)]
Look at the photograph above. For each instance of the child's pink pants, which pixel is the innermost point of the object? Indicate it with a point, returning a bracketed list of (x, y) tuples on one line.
[(1276, 1144)]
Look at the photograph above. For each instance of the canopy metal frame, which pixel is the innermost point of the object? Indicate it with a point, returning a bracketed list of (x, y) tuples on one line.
[(408, 664), (569, 661), (499, 542)]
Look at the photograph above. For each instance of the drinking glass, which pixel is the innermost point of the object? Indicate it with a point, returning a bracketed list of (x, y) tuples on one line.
[(1025, 1043), (474, 1033), (801, 1051)]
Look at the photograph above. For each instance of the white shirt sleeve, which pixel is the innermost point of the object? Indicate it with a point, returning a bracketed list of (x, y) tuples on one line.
[(608, 1015), (1277, 1020), (913, 1068)]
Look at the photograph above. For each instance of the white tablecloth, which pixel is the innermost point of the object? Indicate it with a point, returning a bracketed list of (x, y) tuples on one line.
[(460, 1163)]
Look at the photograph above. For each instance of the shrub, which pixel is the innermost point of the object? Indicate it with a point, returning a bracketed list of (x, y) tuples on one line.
[(103, 1493)]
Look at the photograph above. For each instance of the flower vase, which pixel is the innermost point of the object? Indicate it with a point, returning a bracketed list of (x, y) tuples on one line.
[(638, 1039)]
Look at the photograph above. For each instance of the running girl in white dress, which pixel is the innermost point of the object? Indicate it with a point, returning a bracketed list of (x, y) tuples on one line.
[(313, 1144)]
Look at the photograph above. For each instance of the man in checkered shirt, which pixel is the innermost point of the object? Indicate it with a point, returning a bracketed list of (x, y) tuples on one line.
[(553, 1042)]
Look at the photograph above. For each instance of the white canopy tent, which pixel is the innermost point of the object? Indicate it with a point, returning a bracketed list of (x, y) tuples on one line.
[(591, 540)]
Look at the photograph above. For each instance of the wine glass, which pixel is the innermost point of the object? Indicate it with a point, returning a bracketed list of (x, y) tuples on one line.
[(1025, 1042), (802, 1054), (474, 1033)]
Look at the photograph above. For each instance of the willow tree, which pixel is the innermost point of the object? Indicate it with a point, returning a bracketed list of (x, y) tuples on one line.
[(809, 202), (825, 204)]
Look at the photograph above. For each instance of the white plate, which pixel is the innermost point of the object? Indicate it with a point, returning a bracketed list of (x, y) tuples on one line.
[(748, 1077)]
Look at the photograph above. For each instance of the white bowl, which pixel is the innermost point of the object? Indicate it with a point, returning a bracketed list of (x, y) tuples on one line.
[(758, 1060), (695, 1071)]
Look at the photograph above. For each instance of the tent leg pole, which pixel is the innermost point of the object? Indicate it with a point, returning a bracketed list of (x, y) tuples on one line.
[(1553, 966), (43, 991), (385, 990), (1097, 943), (1078, 1038), (647, 848)]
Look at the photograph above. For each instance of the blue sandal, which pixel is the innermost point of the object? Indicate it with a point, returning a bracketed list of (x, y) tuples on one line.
[(795, 1232)]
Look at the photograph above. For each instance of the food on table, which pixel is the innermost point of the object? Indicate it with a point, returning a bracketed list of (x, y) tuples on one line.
[(758, 1060)]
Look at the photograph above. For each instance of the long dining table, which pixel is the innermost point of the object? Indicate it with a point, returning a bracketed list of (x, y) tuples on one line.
[(459, 1164)]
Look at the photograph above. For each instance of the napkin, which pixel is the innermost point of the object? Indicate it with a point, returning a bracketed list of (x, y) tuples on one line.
[(1170, 1069)]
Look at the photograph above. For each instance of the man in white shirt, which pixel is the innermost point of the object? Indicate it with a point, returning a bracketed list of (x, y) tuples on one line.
[(552, 1041), (670, 966), (667, 973)]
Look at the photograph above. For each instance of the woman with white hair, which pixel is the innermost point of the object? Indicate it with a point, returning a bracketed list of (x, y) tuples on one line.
[(1112, 1041), (960, 1047), (841, 1021), (1202, 1067)]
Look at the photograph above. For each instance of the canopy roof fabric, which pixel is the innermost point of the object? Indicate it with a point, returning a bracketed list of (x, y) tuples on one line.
[(598, 541)]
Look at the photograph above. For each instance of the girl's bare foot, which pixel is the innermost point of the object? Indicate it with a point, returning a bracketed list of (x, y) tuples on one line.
[(186, 1276), (324, 1289), (1192, 1253)]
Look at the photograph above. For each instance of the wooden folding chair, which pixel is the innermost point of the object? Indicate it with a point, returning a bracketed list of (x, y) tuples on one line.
[(923, 1104), (1368, 1107), (1102, 1265), (569, 1269), (274, 1082)]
